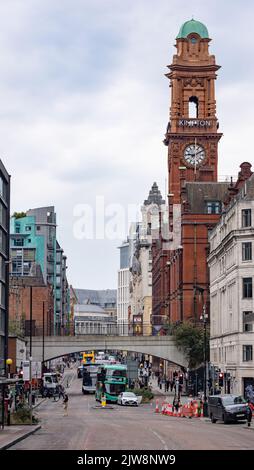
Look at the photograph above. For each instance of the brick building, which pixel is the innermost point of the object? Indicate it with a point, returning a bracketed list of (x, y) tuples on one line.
[(27, 292), (17, 352), (195, 198)]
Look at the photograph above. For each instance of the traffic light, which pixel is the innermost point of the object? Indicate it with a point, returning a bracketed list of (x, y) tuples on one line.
[(181, 379), (221, 379)]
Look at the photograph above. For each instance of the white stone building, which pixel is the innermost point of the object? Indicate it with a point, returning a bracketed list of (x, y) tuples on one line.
[(123, 280), (231, 292), (141, 264), (90, 319)]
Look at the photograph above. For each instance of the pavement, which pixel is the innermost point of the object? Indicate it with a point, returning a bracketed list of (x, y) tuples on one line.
[(11, 435), (157, 391)]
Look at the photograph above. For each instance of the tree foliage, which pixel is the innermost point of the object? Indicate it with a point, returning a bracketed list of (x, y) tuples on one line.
[(16, 327), (190, 339), (19, 215)]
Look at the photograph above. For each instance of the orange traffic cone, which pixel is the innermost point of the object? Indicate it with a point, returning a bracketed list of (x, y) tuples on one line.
[(157, 406), (168, 410), (195, 410), (163, 406)]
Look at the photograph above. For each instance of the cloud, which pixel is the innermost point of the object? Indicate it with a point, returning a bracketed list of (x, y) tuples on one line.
[(84, 105)]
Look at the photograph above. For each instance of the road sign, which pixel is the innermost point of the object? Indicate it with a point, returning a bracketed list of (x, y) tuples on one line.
[(36, 370), (26, 370)]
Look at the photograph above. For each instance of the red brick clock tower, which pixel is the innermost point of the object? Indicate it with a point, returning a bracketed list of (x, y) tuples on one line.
[(195, 199), (192, 134)]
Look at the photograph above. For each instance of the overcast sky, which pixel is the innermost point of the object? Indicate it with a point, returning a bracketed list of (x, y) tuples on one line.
[(84, 105)]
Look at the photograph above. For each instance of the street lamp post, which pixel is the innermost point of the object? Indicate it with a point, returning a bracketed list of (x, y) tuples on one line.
[(9, 363), (204, 318), (30, 390)]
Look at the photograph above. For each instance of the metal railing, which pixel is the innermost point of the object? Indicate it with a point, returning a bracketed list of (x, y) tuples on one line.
[(65, 328)]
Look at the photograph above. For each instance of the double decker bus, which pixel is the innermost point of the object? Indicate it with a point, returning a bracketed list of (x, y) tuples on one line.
[(89, 378), (88, 358), (111, 381)]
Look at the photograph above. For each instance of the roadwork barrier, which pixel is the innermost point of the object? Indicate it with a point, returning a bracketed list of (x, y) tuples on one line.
[(192, 409)]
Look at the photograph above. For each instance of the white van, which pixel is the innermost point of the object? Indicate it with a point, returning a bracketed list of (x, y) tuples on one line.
[(50, 382)]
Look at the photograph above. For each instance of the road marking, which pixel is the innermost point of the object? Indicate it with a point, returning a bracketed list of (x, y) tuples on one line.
[(160, 438)]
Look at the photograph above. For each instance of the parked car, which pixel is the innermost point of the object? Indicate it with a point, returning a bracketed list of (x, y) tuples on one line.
[(128, 398), (228, 408), (80, 372)]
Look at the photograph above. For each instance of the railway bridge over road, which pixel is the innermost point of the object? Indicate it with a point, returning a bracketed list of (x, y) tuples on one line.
[(51, 347)]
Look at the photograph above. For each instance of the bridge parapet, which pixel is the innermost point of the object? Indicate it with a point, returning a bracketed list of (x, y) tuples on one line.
[(163, 347)]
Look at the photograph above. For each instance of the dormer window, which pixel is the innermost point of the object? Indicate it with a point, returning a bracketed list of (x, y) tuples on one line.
[(213, 207), (193, 40)]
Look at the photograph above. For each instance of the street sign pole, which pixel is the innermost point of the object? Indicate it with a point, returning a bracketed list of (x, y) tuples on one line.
[(30, 391)]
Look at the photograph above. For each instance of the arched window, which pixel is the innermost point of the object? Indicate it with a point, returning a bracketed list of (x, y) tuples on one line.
[(193, 107)]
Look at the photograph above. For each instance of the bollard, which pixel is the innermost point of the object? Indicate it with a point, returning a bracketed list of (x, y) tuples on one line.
[(103, 401), (205, 409)]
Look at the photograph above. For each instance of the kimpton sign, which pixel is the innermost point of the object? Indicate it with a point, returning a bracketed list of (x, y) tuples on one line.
[(194, 123)]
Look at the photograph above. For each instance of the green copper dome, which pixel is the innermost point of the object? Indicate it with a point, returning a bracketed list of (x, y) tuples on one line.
[(193, 26)]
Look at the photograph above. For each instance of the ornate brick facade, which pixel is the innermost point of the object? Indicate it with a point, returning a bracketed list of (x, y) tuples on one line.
[(195, 199)]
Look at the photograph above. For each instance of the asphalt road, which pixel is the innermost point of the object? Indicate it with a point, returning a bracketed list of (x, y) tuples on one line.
[(127, 428)]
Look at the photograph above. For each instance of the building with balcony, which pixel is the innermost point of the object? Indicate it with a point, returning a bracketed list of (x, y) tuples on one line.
[(140, 304), (231, 290), (33, 243)]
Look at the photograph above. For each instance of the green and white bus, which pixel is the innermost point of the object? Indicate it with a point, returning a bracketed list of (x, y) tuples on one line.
[(111, 381)]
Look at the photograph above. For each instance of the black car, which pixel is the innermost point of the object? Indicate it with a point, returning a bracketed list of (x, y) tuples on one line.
[(228, 408)]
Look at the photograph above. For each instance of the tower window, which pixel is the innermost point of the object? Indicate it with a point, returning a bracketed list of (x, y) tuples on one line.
[(193, 107)]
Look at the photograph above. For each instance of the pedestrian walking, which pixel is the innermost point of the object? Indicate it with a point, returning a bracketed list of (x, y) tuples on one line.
[(167, 385), (249, 413), (61, 391), (200, 406), (175, 404), (191, 409), (65, 404)]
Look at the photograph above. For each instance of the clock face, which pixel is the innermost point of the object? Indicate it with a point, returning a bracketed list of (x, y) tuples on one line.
[(194, 154)]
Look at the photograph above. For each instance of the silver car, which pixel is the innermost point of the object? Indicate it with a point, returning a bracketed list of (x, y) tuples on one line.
[(127, 398)]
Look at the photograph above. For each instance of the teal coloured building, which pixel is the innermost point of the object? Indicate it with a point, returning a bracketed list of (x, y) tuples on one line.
[(27, 248), (32, 243)]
